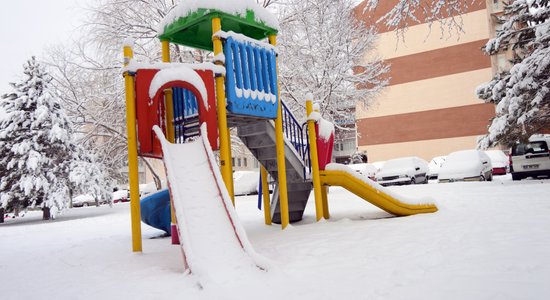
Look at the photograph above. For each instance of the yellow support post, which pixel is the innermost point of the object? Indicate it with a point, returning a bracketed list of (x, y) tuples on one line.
[(225, 140), (317, 188), (170, 134), (280, 147), (132, 153), (324, 194), (265, 195), (168, 97)]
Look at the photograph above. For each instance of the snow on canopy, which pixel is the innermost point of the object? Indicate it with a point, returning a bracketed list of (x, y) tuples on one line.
[(232, 7), (174, 74)]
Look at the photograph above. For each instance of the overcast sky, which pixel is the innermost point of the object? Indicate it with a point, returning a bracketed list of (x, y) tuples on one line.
[(28, 26)]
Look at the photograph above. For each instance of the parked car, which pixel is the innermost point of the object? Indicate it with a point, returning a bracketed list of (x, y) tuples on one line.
[(405, 170), (84, 200), (531, 158), (147, 188), (466, 165), (246, 182), (434, 166), (121, 196), (365, 169), (499, 160)]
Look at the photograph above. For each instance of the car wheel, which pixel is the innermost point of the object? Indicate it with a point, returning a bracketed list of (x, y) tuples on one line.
[(85, 204), (490, 177), (481, 178), (516, 176), (413, 181), (426, 180)]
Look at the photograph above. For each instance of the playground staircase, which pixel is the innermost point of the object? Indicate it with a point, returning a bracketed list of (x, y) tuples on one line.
[(259, 137)]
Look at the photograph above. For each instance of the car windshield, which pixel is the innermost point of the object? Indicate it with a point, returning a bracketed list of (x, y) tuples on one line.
[(531, 147), (463, 156), (398, 163)]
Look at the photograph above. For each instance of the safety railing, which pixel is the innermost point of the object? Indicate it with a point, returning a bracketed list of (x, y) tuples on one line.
[(297, 135), (251, 78)]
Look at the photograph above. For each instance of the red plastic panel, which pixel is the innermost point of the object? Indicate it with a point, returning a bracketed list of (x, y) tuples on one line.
[(324, 149), (147, 115), (150, 112)]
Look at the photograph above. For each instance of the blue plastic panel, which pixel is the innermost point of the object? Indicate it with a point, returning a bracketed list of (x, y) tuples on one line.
[(186, 111), (251, 79)]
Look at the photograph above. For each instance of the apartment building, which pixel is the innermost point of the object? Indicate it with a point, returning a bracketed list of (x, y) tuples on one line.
[(430, 107)]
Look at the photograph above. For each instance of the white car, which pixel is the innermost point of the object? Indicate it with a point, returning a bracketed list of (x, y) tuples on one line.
[(84, 200), (499, 160), (365, 169), (466, 165), (434, 166), (121, 196), (405, 170), (531, 159)]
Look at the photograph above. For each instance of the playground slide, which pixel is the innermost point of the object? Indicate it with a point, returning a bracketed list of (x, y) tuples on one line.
[(213, 242), (393, 203)]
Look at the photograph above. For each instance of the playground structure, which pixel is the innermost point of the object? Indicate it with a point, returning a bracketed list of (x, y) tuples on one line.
[(182, 112)]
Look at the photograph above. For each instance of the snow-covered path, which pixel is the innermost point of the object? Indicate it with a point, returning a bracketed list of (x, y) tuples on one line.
[(488, 240)]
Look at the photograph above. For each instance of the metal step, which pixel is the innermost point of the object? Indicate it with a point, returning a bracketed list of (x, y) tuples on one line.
[(259, 137)]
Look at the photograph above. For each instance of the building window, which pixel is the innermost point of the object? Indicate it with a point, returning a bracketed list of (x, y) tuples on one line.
[(245, 162), (233, 161), (238, 162)]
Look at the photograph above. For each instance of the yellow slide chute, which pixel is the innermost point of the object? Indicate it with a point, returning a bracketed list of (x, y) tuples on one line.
[(372, 192)]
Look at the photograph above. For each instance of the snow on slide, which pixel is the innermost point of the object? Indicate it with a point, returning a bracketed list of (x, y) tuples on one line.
[(214, 243), (368, 190)]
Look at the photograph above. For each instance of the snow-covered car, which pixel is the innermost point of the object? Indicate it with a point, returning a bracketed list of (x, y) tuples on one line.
[(531, 159), (466, 165), (365, 169), (245, 182), (147, 188), (434, 166), (405, 170), (121, 196), (84, 200), (499, 160)]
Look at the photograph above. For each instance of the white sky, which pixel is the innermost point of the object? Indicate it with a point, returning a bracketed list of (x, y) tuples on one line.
[(27, 27)]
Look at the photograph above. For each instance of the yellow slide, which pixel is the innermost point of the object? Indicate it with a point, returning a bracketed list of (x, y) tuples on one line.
[(341, 175)]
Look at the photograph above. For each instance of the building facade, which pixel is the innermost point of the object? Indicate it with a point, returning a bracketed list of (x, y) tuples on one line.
[(430, 107)]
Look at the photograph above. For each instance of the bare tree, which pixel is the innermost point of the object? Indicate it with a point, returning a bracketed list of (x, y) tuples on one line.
[(322, 51), (406, 13)]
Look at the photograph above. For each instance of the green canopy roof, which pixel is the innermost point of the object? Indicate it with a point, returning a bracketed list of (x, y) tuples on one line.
[(195, 29)]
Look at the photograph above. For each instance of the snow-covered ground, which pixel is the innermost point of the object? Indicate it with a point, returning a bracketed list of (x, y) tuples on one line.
[(489, 240)]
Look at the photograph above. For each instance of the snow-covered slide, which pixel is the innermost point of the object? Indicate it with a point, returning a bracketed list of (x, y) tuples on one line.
[(362, 186), (213, 242)]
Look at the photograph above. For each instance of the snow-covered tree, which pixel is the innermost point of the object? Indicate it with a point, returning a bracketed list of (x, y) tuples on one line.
[(522, 94), (322, 50), (406, 13), (36, 146)]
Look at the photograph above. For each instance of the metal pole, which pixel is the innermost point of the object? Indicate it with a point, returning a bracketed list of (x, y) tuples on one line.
[(280, 147), (317, 188), (225, 139), (133, 178)]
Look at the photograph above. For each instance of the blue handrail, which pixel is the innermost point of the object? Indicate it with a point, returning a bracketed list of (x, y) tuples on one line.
[(297, 135), (186, 111)]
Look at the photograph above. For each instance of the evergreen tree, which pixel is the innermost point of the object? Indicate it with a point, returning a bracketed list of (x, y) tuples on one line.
[(522, 94), (36, 148)]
